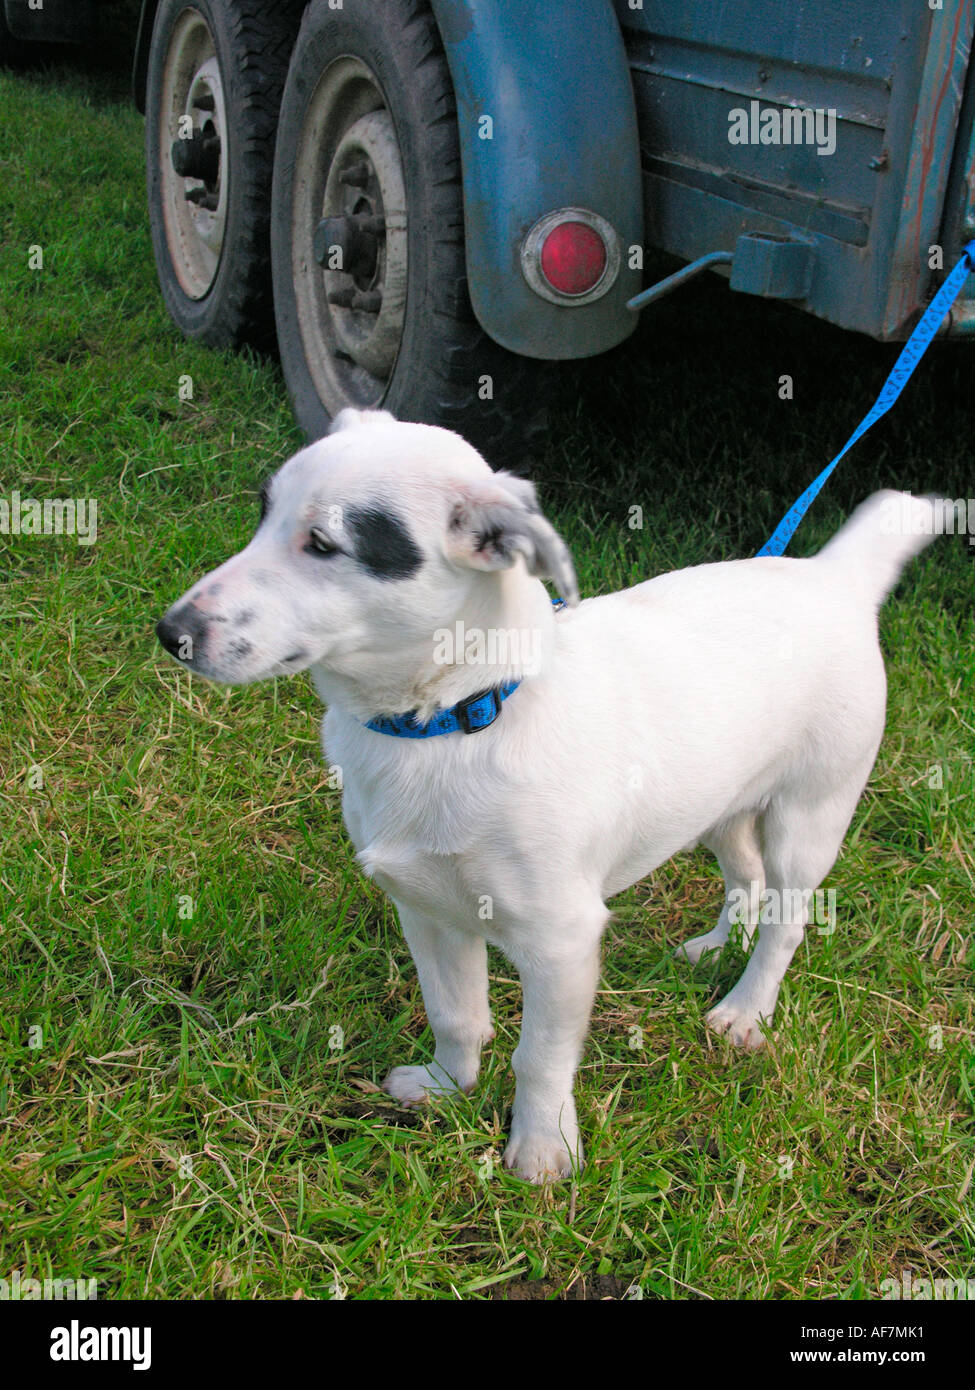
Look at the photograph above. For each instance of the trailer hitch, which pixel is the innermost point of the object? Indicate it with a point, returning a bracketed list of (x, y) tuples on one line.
[(774, 267)]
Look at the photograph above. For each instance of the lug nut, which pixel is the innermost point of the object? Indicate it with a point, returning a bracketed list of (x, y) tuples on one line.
[(369, 301), (356, 174), (207, 201), (355, 237), (198, 157)]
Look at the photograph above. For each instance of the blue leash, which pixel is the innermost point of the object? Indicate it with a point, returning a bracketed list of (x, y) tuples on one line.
[(911, 354)]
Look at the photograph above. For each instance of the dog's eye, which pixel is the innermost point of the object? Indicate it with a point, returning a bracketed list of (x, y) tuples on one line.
[(320, 543)]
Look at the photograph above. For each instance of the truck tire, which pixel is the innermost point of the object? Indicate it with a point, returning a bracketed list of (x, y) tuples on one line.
[(216, 72), (367, 236)]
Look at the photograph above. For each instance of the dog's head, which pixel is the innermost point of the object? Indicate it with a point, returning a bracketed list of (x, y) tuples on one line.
[(369, 540)]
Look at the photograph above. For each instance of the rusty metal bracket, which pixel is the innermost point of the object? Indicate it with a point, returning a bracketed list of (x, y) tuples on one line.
[(773, 267), (680, 277)]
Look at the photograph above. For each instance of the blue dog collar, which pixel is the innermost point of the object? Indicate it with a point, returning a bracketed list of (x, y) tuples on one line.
[(466, 717)]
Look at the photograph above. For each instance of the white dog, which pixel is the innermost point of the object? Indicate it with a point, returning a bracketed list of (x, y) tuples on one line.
[(739, 704)]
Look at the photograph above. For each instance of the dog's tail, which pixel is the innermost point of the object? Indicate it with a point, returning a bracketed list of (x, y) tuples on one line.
[(882, 535)]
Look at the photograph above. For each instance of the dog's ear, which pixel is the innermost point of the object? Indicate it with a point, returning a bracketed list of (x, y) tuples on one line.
[(350, 418), (492, 522)]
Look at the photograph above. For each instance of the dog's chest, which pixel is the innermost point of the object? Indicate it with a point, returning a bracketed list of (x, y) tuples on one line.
[(417, 861), (415, 824)]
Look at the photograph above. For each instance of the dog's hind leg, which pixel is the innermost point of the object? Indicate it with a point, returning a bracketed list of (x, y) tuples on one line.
[(801, 841), (452, 967), (735, 844)]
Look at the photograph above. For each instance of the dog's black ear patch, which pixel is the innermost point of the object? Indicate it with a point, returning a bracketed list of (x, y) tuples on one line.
[(382, 542)]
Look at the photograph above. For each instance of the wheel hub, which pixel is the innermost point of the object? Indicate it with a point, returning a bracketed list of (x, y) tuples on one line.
[(360, 244), (199, 156), (193, 155)]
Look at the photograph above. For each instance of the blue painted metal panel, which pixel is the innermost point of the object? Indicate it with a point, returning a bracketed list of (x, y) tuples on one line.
[(928, 126), (894, 74), (555, 84), (958, 219)]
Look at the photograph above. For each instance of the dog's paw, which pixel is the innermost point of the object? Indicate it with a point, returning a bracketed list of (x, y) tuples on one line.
[(740, 1026), (542, 1158), (699, 946), (414, 1085)]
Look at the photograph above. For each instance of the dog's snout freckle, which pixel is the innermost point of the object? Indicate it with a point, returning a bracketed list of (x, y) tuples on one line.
[(246, 617)]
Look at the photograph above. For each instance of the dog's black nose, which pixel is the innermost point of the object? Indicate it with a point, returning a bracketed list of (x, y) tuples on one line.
[(182, 632)]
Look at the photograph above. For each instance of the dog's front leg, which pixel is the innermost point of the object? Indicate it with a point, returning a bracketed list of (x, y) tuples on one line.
[(558, 987), (452, 968)]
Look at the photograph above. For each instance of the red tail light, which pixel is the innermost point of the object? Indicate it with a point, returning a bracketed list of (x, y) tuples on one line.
[(571, 256)]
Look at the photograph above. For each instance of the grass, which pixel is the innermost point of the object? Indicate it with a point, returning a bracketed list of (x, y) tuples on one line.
[(201, 994)]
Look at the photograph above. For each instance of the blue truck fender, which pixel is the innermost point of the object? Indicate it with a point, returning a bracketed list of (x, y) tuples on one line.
[(547, 121)]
